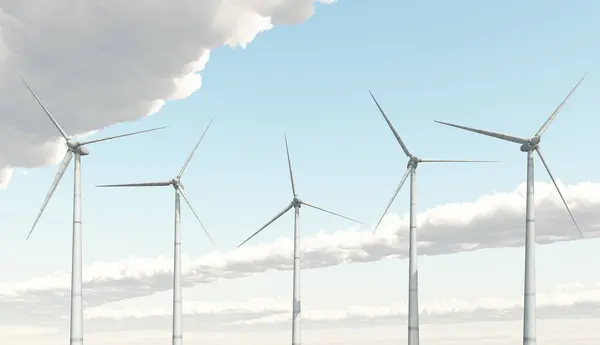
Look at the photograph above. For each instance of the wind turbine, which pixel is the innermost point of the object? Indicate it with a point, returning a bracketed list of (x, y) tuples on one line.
[(530, 145), (77, 149), (413, 278), (296, 203), (179, 190)]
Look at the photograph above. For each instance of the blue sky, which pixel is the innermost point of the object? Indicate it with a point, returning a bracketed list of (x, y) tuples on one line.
[(502, 67)]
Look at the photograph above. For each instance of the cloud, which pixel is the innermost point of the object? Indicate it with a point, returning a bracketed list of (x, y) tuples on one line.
[(565, 302), (492, 221), (19, 331), (111, 61), (550, 332), (573, 300)]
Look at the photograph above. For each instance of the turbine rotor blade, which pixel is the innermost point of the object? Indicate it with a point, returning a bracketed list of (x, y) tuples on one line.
[(267, 224), (120, 136), (408, 170), (59, 174), (287, 150), (142, 184), (195, 148), (558, 190), (453, 161), (330, 212), (557, 110), (182, 192), (404, 148), (62, 132), (488, 133)]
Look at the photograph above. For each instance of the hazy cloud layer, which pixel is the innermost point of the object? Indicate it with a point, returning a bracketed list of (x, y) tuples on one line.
[(109, 61), (570, 301), (492, 221), (566, 302), (550, 332)]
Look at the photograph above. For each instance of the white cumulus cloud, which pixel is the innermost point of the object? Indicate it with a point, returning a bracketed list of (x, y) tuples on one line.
[(101, 62)]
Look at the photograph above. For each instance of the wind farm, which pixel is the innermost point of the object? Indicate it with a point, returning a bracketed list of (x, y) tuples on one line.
[(192, 227), (77, 149)]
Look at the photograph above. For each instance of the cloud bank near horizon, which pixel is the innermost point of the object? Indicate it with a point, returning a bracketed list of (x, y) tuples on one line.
[(565, 302), (550, 332), (142, 56), (492, 221), (568, 301)]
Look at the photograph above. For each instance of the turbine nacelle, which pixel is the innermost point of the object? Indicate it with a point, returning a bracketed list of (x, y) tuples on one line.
[(296, 202), (77, 148), (531, 145), (72, 144), (83, 151), (177, 184), (413, 161)]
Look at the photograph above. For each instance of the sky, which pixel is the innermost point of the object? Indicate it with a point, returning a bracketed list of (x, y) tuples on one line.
[(263, 68)]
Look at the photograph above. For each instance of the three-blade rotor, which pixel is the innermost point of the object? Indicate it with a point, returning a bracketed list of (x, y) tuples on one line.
[(531, 144), (413, 161), (73, 147), (175, 183), (296, 202)]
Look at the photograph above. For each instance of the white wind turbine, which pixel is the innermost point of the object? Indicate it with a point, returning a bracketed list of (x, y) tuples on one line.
[(529, 145), (179, 190), (413, 278), (296, 203), (77, 149)]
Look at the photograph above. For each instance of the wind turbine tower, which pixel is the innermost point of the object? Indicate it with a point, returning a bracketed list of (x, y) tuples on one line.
[(177, 185), (77, 149), (413, 278), (529, 146), (296, 203)]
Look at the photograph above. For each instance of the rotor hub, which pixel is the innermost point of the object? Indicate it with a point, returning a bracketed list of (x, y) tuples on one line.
[(77, 148), (177, 183), (531, 145), (413, 161), (296, 202), (72, 144)]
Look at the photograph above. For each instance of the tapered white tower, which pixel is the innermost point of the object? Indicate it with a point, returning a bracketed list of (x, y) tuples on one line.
[(296, 203), (529, 146), (413, 276), (177, 338), (77, 149)]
